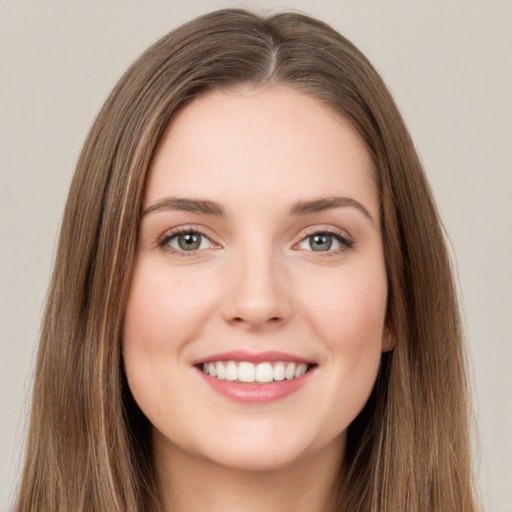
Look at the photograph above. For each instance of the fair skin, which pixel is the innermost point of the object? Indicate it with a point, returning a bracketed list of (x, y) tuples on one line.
[(260, 233)]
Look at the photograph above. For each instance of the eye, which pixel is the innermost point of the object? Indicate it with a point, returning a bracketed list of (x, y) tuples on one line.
[(324, 242), (187, 241)]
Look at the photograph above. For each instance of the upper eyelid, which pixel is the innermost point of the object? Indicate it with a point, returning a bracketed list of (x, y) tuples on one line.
[(331, 230), (172, 232), (343, 236)]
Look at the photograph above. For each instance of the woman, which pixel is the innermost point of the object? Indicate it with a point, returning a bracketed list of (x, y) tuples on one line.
[(252, 305)]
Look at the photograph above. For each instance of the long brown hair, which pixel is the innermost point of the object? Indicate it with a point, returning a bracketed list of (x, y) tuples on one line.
[(88, 444)]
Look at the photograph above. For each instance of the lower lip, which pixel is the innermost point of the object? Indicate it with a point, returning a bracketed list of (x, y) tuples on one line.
[(256, 393)]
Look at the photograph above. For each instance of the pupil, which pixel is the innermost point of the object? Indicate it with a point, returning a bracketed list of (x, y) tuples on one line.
[(321, 242), (189, 241)]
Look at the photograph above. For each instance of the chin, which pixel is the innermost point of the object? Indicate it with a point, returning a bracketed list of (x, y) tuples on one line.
[(256, 458), (265, 450)]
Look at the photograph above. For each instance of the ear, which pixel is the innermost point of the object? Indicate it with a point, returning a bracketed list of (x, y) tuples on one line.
[(388, 336)]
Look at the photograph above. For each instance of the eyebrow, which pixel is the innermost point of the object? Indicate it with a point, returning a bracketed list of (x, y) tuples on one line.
[(328, 203), (184, 204), (207, 207)]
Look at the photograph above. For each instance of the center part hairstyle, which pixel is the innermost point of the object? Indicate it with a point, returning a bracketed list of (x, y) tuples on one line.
[(89, 446)]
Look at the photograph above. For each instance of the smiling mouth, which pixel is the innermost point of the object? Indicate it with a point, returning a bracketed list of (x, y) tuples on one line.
[(250, 373)]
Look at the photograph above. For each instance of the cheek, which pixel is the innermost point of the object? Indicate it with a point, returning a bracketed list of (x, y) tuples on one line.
[(350, 321), (352, 327), (351, 315), (163, 310), (162, 315)]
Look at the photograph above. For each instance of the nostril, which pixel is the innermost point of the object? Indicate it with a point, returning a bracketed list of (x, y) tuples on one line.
[(241, 320)]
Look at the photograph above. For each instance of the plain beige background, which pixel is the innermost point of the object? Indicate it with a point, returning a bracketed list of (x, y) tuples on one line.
[(449, 65)]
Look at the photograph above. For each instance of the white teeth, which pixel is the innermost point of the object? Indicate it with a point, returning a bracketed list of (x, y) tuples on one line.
[(231, 371), (221, 370), (264, 372), (289, 373), (300, 370), (279, 371), (248, 372)]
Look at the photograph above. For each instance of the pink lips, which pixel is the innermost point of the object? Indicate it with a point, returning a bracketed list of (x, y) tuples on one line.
[(254, 393), (260, 357)]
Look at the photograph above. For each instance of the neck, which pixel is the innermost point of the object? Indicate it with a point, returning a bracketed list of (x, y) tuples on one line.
[(191, 484)]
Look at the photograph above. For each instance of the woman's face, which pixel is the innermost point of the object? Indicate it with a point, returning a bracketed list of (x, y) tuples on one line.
[(259, 257)]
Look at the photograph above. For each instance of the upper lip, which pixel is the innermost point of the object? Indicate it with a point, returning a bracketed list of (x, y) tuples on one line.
[(252, 357)]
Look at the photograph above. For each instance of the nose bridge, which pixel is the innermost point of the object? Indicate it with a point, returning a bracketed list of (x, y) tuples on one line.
[(257, 293)]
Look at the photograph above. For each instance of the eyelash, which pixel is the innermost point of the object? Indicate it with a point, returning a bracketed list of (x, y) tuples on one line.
[(163, 242), (340, 236)]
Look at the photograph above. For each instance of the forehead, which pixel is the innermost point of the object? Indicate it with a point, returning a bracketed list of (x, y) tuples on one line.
[(274, 141)]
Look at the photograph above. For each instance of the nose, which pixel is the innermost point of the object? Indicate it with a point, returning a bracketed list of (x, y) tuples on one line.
[(257, 296)]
